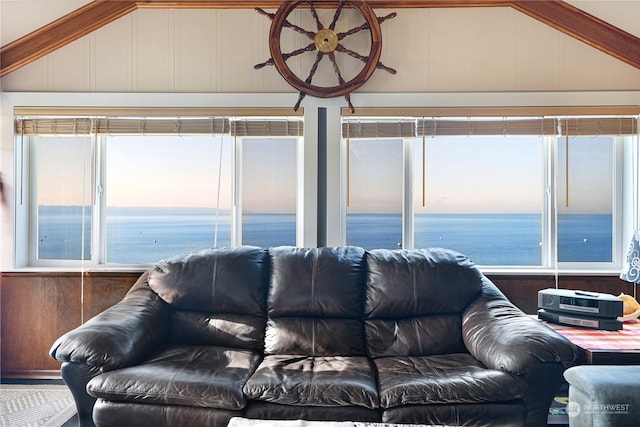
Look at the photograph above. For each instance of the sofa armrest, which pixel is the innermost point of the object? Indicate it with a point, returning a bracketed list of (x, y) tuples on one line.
[(502, 337), (120, 336)]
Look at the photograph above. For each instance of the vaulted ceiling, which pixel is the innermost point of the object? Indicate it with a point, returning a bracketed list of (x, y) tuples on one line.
[(556, 13)]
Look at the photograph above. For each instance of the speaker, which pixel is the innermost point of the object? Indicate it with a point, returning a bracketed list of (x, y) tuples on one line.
[(584, 303), (570, 319)]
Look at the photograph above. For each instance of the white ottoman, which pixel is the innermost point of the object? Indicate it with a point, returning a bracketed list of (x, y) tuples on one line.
[(603, 396)]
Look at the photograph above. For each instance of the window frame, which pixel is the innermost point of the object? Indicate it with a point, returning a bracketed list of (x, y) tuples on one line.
[(102, 261), (619, 242), (26, 207), (237, 216), (320, 191), (549, 261), (95, 204)]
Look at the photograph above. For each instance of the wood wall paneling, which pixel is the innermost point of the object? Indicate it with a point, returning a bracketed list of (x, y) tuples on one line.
[(104, 290), (37, 308), (557, 14), (453, 50), (523, 290)]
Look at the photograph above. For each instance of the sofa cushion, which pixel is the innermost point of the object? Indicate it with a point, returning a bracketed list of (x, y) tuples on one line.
[(419, 282), (262, 410), (201, 376), (226, 330), (315, 302), (314, 381), (314, 336), (419, 336), (443, 379), (129, 414), (415, 299), (223, 280), (501, 414)]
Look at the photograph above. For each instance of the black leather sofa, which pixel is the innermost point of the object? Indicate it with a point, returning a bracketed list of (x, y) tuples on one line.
[(404, 336)]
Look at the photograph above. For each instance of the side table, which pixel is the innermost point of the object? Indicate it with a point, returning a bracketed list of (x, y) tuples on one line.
[(604, 347)]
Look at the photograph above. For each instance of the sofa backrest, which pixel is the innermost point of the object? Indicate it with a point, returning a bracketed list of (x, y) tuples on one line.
[(315, 301), (319, 301), (415, 299), (217, 296)]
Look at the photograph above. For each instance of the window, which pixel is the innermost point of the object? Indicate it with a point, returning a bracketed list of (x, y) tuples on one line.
[(374, 199), (166, 195), (503, 191), (63, 213), (586, 199), (269, 192), (134, 190), (481, 193)]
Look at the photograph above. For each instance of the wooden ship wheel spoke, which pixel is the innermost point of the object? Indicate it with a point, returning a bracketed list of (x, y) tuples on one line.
[(326, 42)]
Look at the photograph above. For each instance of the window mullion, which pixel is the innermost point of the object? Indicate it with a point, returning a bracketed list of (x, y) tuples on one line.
[(100, 239), (549, 218), (236, 221), (618, 241), (30, 199), (407, 201)]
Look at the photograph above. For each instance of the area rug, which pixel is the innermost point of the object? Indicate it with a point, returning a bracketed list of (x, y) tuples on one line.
[(35, 405)]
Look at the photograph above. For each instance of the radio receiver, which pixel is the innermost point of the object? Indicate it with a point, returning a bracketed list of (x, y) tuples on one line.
[(592, 304), (602, 323)]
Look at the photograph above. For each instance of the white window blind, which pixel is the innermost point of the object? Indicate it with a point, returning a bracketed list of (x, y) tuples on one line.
[(401, 127), (159, 126)]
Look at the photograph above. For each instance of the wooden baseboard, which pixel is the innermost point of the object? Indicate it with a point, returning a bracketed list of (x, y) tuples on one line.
[(32, 374)]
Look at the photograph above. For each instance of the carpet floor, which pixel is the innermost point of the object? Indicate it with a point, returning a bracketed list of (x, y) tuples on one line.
[(35, 405)]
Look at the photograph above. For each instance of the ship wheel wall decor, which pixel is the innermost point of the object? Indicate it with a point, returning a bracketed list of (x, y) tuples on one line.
[(325, 42)]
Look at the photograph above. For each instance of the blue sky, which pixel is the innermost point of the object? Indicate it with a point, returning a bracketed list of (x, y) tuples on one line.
[(165, 172), (475, 175), (480, 175)]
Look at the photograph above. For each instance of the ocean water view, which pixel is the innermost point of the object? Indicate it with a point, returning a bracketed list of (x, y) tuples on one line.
[(490, 239), (147, 235)]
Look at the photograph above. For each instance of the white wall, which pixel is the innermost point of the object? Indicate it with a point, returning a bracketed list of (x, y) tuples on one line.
[(434, 50)]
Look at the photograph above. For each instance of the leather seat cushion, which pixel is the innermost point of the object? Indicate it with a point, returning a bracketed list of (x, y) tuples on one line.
[(503, 414), (442, 379), (201, 376), (128, 414), (273, 411), (314, 381)]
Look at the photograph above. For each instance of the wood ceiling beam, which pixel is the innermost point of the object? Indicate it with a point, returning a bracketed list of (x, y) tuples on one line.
[(61, 32), (274, 4), (584, 27), (556, 13)]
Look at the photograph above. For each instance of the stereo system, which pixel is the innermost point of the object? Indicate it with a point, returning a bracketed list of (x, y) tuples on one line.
[(579, 308)]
